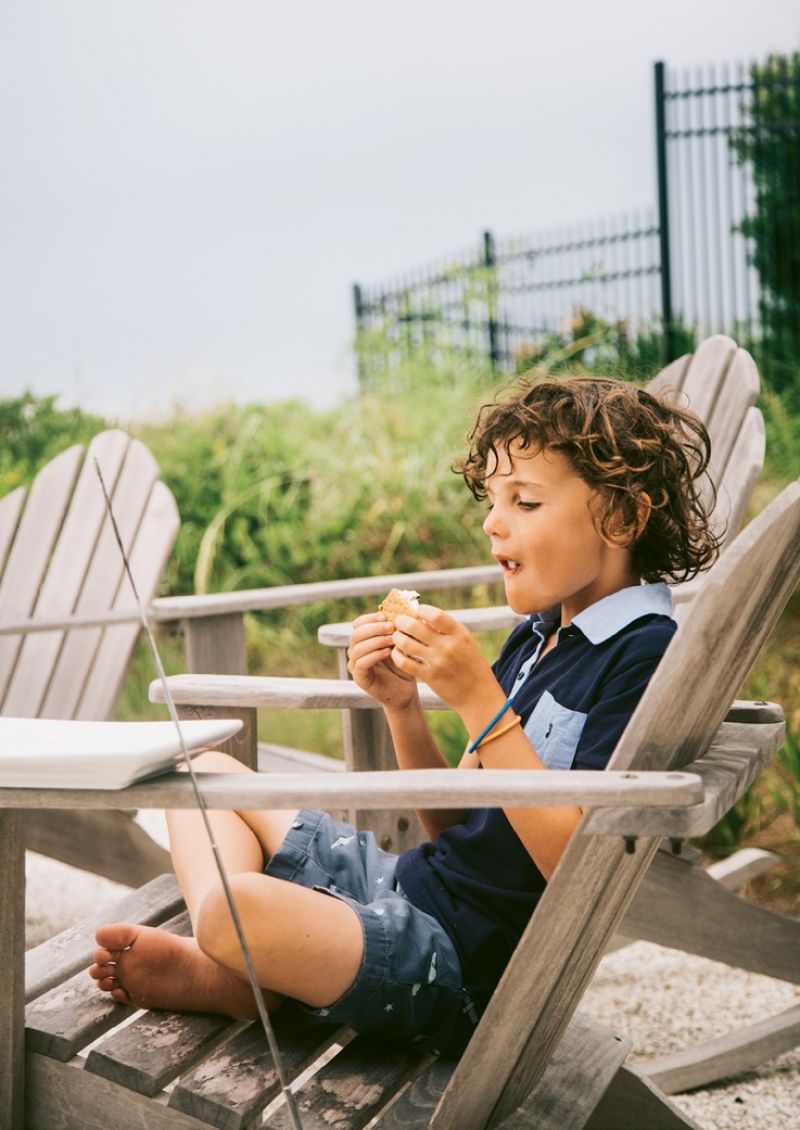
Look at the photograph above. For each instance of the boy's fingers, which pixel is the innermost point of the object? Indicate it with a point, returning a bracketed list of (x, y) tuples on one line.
[(436, 618), (370, 618)]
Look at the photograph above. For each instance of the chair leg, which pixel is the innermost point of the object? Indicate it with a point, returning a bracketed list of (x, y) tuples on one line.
[(681, 907), (12, 970), (729, 1055), (632, 1103)]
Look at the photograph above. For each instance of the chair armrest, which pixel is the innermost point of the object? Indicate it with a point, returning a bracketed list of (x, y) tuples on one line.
[(274, 691), (416, 788), (739, 752), (342, 694), (288, 596)]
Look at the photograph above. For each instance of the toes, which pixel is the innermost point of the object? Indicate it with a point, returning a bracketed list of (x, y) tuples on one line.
[(105, 957), (102, 969), (120, 995), (118, 936)]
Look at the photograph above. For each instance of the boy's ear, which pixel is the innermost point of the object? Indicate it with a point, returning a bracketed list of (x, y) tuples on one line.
[(623, 532)]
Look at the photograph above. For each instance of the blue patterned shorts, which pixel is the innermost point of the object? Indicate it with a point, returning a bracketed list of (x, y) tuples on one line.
[(409, 988)]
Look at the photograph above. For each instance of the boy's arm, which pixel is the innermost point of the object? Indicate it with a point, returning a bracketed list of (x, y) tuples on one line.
[(451, 662), (416, 748), (372, 669)]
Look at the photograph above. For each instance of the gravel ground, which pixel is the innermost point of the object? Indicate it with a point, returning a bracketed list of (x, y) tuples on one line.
[(661, 999)]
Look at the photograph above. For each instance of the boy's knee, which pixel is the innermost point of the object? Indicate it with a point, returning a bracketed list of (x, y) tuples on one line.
[(215, 932)]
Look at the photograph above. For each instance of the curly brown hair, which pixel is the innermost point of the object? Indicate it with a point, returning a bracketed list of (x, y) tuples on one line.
[(624, 442)]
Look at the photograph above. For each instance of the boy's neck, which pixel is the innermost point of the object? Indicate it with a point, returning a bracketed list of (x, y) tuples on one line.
[(571, 608)]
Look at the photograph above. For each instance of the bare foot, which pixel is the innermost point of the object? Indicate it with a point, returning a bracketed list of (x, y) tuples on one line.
[(150, 968)]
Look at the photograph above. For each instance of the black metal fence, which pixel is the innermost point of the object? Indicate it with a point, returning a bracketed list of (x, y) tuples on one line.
[(502, 300), (722, 253), (728, 143)]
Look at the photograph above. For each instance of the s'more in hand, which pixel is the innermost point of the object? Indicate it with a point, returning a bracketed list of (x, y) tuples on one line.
[(400, 602)]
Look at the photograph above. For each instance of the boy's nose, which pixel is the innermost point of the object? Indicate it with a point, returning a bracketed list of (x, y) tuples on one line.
[(492, 524)]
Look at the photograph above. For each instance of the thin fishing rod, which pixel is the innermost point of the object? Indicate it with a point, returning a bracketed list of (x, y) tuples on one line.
[(201, 804)]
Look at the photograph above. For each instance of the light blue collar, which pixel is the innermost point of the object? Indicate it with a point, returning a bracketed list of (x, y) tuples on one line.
[(603, 619)]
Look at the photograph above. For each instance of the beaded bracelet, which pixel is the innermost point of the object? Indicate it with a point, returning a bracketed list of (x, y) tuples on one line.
[(516, 721), (491, 724)]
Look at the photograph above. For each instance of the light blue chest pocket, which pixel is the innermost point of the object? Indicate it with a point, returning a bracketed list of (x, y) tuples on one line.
[(554, 732)]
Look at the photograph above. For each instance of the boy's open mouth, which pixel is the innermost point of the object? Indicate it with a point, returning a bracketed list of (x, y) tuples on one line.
[(508, 564)]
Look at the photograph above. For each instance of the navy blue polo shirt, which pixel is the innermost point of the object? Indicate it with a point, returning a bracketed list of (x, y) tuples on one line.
[(477, 879)]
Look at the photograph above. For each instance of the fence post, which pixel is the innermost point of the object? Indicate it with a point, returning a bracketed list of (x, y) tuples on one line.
[(358, 305), (663, 212), (491, 298)]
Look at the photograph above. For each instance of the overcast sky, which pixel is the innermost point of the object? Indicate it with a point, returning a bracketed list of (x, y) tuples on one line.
[(189, 188)]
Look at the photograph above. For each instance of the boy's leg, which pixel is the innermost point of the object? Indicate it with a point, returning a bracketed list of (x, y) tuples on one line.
[(246, 840), (304, 944)]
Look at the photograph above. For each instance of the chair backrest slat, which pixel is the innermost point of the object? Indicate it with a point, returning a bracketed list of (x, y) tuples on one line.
[(29, 557), (714, 648), (739, 394), (154, 540), (10, 510), (103, 577), (682, 708), (741, 474), (706, 374), (64, 580)]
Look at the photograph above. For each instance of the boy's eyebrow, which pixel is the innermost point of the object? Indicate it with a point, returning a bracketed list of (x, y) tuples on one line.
[(513, 482)]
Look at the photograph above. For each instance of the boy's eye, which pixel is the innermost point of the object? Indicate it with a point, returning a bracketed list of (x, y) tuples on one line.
[(529, 505)]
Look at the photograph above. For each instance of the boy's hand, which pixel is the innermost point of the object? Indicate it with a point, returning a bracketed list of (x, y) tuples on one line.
[(369, 662), (436, 649)]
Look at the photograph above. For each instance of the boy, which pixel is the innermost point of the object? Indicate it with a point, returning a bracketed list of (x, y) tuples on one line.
[(594, 488)]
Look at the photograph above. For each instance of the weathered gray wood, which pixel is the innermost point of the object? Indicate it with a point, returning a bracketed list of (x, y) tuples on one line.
[(705, 375), (683, 907), (105, 843), (737, 869), (426, 788), (274, 691), (12, 964), (30, 554), (149, 1053), (634, 1103), (62, 584), (740, 392), (352, 1088), (61, 1096), (550, 968), (233, 1084), (671, 376), (737, 756), (712, 651), (290, 596), (70, 951), (154, 540), (742, 1050), (68, 1017), (582, 1067), (10, 510), (243, 745), (103, 574), (741, 475), (216, 644)]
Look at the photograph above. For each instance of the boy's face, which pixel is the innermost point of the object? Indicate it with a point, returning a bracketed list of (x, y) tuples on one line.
[(544, 536)]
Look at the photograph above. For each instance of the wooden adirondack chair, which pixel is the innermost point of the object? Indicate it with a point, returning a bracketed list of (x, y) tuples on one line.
[(68, 621), (532, 1061)]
